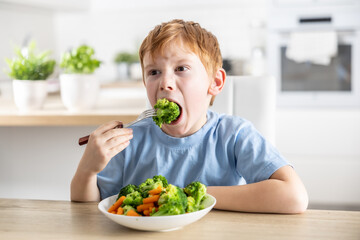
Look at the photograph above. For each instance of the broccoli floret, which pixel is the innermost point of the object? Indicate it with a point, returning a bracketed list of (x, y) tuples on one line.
[(128, 208), (168, 209), (152, 183), (191, 206), (159, 178), (197, 190), (173, 194), (166, 112), (171, 202), (133, 199), (127, 189)]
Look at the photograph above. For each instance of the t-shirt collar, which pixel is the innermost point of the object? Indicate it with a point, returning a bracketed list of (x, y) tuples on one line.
[(186, 142)]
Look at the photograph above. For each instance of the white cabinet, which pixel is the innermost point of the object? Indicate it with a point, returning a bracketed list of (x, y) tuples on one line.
[(323, 144)]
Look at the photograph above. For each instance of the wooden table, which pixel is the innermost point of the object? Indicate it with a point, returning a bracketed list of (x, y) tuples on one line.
[(40, 219)]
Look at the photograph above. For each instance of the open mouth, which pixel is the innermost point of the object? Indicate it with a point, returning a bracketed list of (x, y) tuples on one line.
[(167, 111), (178, 118)]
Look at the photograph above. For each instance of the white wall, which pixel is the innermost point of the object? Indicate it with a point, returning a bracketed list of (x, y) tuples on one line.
[(112, 26)]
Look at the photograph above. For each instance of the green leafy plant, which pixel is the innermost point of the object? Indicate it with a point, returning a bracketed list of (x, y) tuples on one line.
[(126, 57), (27, 65), (80, 60)]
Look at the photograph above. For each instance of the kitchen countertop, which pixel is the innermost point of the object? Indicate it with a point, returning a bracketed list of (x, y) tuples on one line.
[(42, 219), (122, 102)]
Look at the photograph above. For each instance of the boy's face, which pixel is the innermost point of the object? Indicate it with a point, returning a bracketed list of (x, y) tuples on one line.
[(179, 75)]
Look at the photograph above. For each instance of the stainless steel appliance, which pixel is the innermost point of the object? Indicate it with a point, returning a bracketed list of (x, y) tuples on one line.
[(308, 83)]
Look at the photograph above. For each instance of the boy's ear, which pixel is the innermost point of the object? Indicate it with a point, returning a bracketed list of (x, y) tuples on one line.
[(218, 82)]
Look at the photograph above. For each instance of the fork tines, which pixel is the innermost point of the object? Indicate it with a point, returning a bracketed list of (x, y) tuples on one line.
[(150, 112)]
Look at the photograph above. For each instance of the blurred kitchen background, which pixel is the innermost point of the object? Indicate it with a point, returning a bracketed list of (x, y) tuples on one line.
[(311, 47)]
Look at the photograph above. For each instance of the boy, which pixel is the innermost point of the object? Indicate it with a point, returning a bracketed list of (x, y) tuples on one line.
[(182, 62)]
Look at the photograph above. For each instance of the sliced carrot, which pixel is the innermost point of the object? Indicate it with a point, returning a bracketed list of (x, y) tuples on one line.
[(113, 212), (117, 204), (120, 211), (132, 212), (144, 206), (151, 199), (146, 212), (156, 190)]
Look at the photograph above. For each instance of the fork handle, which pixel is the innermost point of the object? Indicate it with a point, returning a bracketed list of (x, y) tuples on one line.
[(84, 140)]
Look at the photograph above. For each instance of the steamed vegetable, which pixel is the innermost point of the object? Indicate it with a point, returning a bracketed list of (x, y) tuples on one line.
[(196, 192), (117, 204), (127, 189), (155, 197), (127, 209), (171, 202), (166, 112), (151, 184), (133, 199)]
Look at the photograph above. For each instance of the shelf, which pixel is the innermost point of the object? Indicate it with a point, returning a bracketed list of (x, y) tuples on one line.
[(113, 104), (63, 120)]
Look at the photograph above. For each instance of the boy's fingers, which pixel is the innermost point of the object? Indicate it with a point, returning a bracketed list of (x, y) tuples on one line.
[(112, 133), (115, 150), (118, 140), (107, 126), (98, 134)]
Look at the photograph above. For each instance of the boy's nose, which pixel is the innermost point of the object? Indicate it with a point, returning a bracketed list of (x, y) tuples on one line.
[(167, 83)]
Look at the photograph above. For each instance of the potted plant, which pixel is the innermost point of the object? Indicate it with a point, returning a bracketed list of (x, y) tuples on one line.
[(29, 72), (79, 87), (125, 62)]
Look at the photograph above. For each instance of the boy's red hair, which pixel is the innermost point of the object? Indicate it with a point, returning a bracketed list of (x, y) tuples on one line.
[(200, 41)]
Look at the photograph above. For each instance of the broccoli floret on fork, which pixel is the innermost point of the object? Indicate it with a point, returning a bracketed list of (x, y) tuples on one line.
[(166, 112)]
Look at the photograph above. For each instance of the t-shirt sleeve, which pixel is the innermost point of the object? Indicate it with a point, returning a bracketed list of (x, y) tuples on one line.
[(256, 158), (109, 179)]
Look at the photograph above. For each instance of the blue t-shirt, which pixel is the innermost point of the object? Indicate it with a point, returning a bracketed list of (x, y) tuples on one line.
[(226, 151)]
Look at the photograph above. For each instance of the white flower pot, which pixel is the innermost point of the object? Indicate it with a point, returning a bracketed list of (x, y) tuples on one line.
[(79, 91), (122, 71), (29, 94), (135, 71)]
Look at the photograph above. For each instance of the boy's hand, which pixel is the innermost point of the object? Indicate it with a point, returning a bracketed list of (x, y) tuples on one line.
[(104, 143)]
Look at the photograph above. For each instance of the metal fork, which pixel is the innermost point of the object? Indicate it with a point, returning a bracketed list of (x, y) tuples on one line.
[(145, 114)]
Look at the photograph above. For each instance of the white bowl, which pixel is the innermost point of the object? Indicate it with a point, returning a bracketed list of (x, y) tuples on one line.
[(161, 223)]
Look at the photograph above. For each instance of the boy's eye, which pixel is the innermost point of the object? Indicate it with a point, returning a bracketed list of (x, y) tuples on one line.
[(181, 69), (154, 72)]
